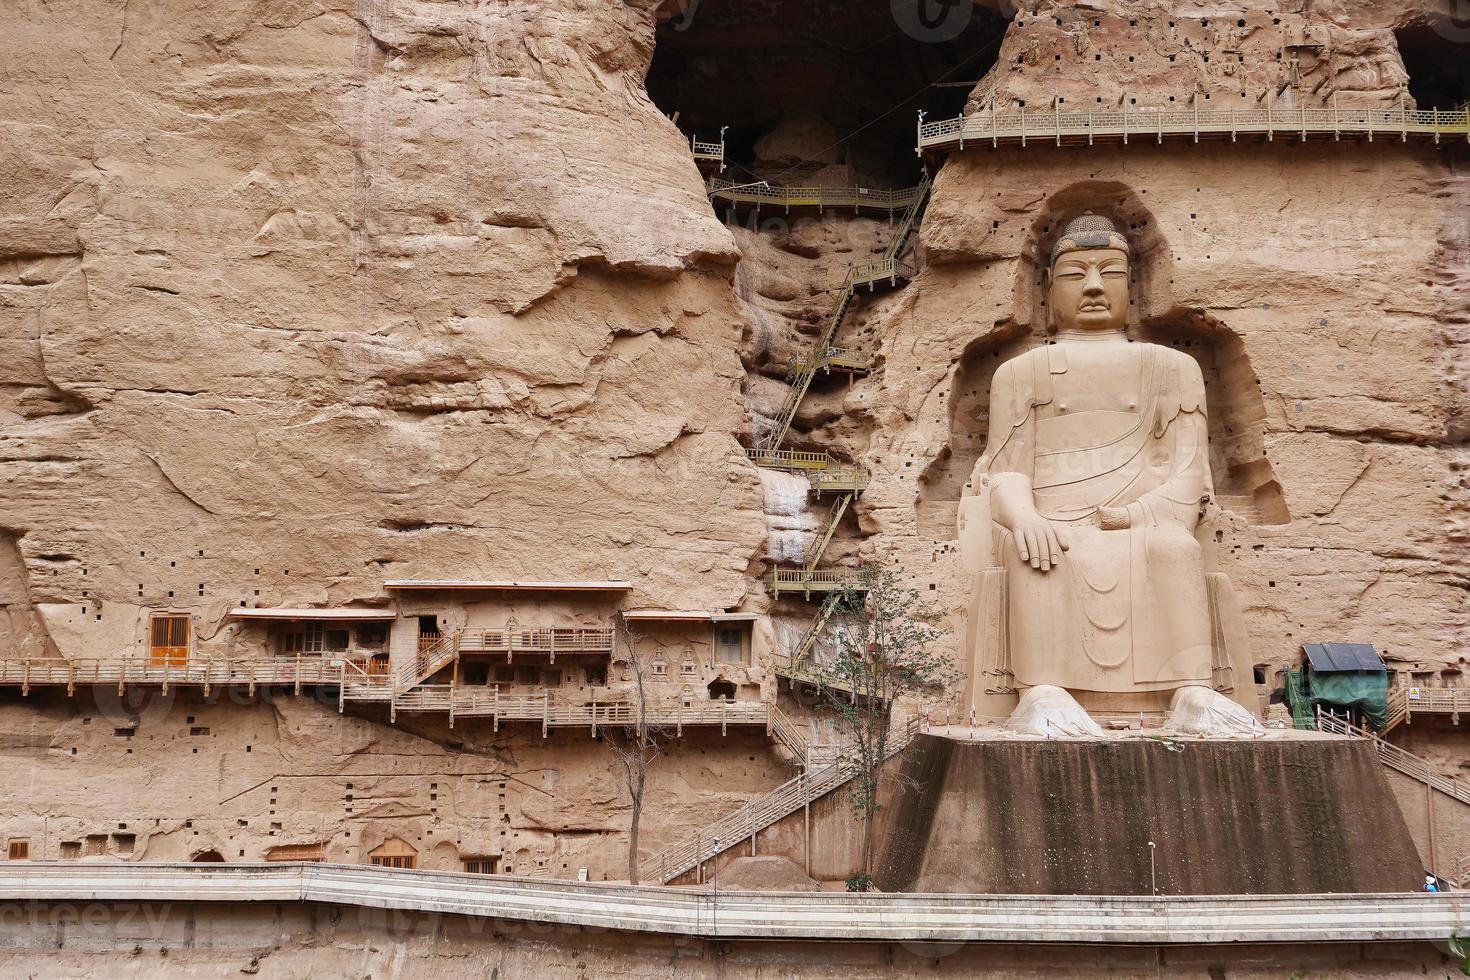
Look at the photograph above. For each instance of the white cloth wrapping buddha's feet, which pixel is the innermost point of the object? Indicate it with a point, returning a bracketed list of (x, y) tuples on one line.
[(1201, 711), (1050, 712)]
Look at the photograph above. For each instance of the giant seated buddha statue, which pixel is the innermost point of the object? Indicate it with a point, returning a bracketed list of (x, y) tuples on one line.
[(1090, 588)]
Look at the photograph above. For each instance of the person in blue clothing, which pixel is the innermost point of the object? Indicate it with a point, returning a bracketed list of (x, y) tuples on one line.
[(1431, 884)]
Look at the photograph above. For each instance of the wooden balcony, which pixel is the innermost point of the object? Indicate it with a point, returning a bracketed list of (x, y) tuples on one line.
[(839, 479), (831, 359), (549, 641), (889, 270), (365, 677), (789, 459), (366, 681), (1406, 700), (561, 711), (708, 153), (817, 580), (804, 671)]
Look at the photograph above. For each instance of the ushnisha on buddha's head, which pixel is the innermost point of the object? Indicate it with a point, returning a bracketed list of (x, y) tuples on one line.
[(1089, 277)]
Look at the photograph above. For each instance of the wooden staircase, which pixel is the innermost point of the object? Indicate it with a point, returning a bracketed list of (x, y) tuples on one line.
[(751, 818), (428, 661)]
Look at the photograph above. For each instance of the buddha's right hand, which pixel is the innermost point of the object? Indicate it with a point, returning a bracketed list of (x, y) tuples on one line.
[(1039, 542)]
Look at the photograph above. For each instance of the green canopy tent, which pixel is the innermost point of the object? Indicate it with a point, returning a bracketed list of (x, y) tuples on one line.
[(1339, 676)]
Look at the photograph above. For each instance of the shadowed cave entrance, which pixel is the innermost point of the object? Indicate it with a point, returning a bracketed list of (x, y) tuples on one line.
[(1436, 53), (819, 90)]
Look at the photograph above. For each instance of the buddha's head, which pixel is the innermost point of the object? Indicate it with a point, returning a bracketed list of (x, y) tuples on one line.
[(1089, 276)]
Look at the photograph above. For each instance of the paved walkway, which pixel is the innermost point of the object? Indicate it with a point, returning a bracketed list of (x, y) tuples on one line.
[(765, 915)]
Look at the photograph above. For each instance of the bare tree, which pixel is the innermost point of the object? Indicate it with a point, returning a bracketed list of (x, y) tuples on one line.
[(637, 743), (884, 651)]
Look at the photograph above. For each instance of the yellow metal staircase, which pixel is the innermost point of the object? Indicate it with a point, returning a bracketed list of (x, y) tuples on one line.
[(797, 665), (829, 527), (891, 269)]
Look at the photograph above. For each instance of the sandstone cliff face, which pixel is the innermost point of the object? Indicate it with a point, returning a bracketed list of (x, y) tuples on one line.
[(1158, 54), (300, 298)]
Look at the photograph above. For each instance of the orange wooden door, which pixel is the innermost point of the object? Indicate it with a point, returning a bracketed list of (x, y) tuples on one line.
[(168, 641)]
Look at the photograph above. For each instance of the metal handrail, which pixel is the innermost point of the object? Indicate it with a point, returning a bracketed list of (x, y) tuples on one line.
[(802, 577), (1411, 765), (1018, 125), (758, 814), (736, 915), (207, 671), (885, 199), (888, 267), (788, 459)]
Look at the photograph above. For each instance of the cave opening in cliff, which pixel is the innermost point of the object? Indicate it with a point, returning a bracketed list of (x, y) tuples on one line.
[(819, 91), (1436, 53)]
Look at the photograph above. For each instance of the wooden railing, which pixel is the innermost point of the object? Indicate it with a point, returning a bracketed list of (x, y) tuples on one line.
[(1461, 870), (788, 735), (805, 671), (549, 640), (708, 151), (1404, 701), (838, 479), (198, 672), (431, 658), (789, 459), (1411, 765), (868, 273), (590, 713), (817, 579), (758, 814), (831, 359), (875, 198), (825, 474), (1023, 126)]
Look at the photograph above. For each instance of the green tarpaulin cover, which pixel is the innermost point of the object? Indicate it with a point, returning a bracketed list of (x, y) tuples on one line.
[(1367, 691)]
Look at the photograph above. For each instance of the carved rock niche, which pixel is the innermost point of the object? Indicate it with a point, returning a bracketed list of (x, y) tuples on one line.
[(1245, 484)]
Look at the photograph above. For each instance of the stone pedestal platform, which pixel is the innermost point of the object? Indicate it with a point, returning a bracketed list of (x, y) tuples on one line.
[(1063, 818)]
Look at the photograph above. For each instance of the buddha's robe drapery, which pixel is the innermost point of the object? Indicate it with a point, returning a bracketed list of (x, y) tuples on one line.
[(1125, 610)]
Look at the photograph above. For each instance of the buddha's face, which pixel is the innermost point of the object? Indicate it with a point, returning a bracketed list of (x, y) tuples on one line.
[(1089, 289)]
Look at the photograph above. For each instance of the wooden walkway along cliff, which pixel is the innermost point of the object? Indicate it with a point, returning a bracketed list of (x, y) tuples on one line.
[(994, 127), (758, 195)]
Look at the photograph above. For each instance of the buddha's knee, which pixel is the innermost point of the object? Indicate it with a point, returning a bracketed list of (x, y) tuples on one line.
[(1172, 544)]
